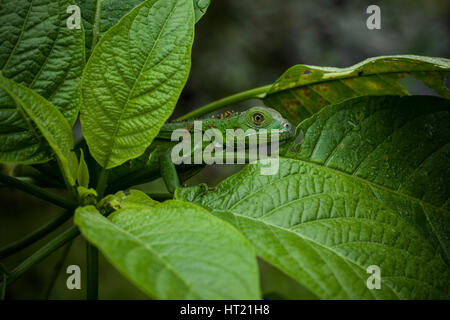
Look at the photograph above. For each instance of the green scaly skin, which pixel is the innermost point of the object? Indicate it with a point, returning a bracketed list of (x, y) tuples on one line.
[(229, 120), (156, 161)]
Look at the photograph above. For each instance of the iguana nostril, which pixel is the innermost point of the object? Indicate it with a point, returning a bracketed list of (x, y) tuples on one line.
[(289, 127)]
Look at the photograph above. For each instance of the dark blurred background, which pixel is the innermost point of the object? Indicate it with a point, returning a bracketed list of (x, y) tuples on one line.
[(240, 45)]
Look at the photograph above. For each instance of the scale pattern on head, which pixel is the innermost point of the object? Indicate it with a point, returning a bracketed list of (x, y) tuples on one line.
[(255, 118), (264, 118)]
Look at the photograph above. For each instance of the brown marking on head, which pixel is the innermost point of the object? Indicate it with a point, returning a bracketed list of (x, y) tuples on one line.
[(228, 114)]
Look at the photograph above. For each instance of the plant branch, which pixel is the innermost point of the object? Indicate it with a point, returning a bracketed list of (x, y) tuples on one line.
[(38, 192), (96, 24), (35, 236), (42, 253), (92, 271), (238, 97), (91, 251), (101, 184), (57, 269)]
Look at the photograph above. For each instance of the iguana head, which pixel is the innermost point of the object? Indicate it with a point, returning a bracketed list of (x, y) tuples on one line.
[(266, 118)]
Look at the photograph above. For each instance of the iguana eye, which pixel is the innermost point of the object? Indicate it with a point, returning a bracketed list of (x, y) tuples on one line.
[(258, 118)]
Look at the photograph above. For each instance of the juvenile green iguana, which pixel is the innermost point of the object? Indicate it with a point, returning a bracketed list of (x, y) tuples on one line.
[(156, 161)]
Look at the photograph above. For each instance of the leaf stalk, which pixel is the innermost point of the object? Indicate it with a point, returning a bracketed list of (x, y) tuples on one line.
[(259, 92), (42, 253), (38, 192), (35, 236)]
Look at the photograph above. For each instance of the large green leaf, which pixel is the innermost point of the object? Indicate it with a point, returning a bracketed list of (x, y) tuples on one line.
[(38, 51), (49, 123), (303, 90), (101, 15), (369, 186), (175, 250), (134, 78)]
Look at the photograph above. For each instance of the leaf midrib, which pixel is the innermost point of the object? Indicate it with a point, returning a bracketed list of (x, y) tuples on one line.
[(19, 106), (352, 76), (347, 175), (370, 184), (371, 221), (36, 77), (374, 185), (270, 225), (96, 24), (125, 105), (157, 254), (22, 31), (274, 210)]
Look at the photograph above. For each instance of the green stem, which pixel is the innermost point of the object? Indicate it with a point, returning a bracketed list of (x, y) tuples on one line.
[(238, 97), (36, 235), (92, 271), (43, 252), (37, 192), (101, 184), (57, 269), (96, 24), (39, 182), (91, 251), (27, 180)]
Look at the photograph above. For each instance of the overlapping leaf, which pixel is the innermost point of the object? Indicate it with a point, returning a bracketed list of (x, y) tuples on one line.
[(369, 186), (48, 123), (303, 90), (38, 51), (130, 199), (100, 15), (174, 250), (200, 7), (103, 14), (134, 78)]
